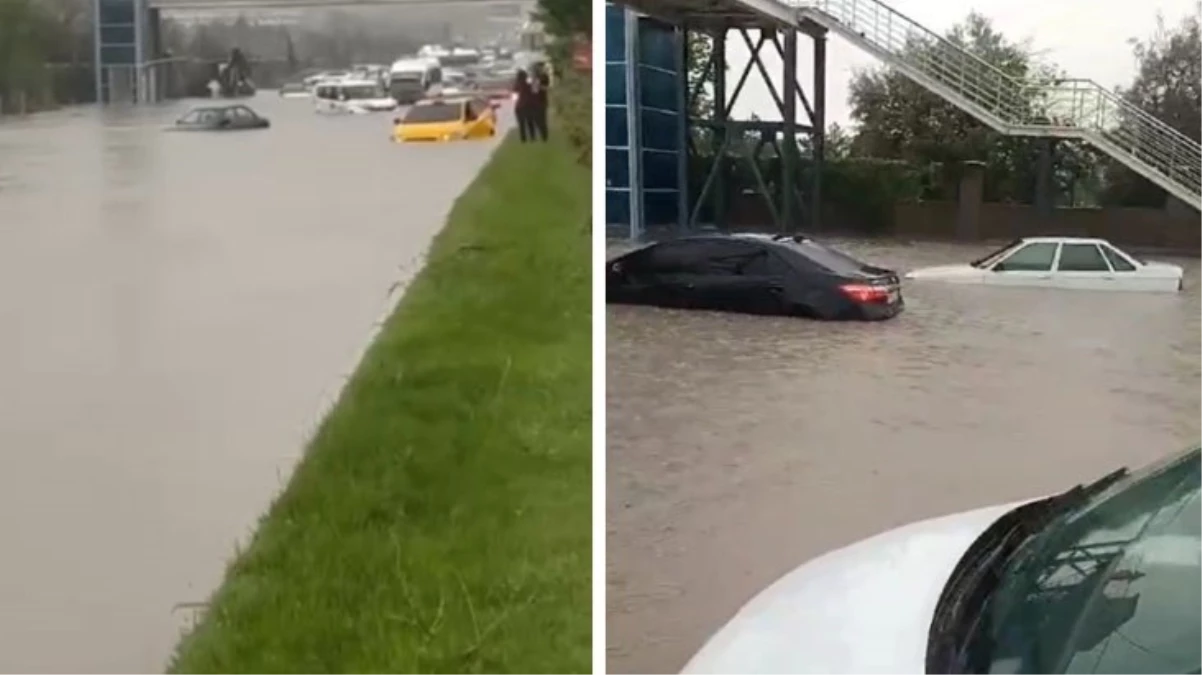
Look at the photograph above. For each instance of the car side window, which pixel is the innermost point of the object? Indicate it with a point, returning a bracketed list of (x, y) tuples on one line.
[(469, 111), (1036, 257), (700, 257), (1117, 261), (1081, 258), (763, 262)]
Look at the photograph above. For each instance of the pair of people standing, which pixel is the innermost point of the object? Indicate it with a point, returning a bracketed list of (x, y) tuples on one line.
[(530, 91)]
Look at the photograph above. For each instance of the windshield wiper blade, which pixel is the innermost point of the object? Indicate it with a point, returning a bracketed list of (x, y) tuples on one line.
[(1082, 491)]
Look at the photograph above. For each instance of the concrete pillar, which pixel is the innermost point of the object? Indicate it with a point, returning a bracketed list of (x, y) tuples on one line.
[(968, 205), (1045, 200)]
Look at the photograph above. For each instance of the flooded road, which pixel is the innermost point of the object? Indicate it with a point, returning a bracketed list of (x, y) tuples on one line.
[(176, 311), (740, 447)]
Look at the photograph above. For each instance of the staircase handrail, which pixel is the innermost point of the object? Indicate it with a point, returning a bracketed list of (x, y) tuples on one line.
[(1016, 102)]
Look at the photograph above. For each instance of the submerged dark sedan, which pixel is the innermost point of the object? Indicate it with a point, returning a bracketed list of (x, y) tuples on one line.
[(221, 118), (755, 274)]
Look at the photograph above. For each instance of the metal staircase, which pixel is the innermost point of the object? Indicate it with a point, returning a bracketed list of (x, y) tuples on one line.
[(1063, 109)]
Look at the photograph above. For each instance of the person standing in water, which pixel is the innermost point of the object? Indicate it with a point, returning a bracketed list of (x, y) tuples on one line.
[(523, 102), (540, 85)]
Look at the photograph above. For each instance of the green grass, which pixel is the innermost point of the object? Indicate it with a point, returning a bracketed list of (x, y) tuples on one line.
[(440, 520)]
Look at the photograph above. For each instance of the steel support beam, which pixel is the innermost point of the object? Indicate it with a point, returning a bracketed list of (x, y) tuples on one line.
[(683, 100), (818, 131), (721, 142), (788, 158), (719, 133)]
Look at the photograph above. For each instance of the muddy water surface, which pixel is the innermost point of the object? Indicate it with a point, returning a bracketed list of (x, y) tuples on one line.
[(175, 310), (739, 447)]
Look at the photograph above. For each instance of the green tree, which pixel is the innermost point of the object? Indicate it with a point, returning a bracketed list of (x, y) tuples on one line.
[(563, 20), (899, 119), (26, 36), (1168, 85)]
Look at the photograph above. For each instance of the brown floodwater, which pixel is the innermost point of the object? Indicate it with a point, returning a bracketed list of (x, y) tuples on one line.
[(741, 446), (176, 310)]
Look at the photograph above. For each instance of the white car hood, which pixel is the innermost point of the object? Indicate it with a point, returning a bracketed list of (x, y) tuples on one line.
[(866, 608)]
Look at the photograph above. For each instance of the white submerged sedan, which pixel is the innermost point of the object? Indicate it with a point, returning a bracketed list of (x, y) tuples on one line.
[(1060, 262), (1103, 578)]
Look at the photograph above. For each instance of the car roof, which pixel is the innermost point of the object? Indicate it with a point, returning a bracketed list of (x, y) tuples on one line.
[(1063, 240), (450, 100), (348, 82)]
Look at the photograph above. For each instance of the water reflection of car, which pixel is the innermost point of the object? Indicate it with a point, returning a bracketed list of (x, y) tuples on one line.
[(1060, 262), (446, 119), (221, 118), (755, 274), (1103, 578)]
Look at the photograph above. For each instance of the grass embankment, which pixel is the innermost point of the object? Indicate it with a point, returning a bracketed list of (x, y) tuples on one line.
[(440, 520)]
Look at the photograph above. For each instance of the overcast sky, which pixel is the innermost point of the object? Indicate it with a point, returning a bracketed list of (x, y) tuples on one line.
[(1087, 38)]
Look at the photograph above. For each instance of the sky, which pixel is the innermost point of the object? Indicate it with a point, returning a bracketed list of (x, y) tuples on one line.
[(1086, 38)]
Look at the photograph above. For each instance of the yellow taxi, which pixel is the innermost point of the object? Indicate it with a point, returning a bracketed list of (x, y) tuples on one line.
[(446, 119)]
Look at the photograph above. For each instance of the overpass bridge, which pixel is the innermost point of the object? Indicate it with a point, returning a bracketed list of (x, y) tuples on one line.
[(128, 43), (1048, 110)]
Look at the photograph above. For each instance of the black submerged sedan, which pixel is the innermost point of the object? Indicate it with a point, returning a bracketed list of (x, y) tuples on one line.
[(755, 274), (221, 118)]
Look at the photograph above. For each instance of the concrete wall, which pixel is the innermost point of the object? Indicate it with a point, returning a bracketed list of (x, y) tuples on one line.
[(1175, 228), (1144, 228)]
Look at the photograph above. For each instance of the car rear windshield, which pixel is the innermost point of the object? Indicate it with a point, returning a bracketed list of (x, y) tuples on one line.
[(433, 112), (828, 258)]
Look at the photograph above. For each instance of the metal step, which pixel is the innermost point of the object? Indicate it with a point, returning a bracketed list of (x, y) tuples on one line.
[(1065, 109)]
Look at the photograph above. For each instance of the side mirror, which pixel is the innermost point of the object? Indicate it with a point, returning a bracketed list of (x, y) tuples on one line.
[(396, 121)]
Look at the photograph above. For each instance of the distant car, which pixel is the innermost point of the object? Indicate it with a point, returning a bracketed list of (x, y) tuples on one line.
[(755, 274), (1102, 578), (446, 119), (221, 118), (1060, 262)]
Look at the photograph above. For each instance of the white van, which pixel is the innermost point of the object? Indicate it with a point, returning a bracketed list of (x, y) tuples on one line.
[(351, 96), (410, 78)]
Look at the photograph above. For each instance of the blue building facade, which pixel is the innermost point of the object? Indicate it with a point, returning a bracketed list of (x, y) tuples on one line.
[(645, 123)]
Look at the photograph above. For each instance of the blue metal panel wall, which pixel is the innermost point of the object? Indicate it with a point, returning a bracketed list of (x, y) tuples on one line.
[(618, 184), (659, 119), (119, 41)]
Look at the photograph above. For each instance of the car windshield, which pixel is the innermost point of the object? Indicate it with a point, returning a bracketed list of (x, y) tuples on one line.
[(993, 257), (433, 112), (356, 92), (1111, 586)]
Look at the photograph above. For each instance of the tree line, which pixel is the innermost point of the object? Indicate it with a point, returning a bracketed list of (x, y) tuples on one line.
[(43, 46), (911, 144)]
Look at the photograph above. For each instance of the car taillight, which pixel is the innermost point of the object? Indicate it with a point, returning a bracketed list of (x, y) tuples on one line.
[(865, 294)]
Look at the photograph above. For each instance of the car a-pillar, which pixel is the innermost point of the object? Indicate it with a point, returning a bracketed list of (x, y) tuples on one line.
[(127, 38)]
